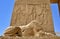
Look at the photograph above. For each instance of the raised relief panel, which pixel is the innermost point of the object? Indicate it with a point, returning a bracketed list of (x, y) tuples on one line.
[(27, 10)]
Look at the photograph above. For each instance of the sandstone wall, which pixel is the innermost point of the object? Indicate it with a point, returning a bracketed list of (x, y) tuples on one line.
[(27, 10)]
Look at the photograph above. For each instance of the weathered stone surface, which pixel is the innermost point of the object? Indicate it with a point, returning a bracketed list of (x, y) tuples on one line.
[(39, 35), (27, 10), (31, 29), (44, 34), (28, 30), (33, 37), (31, 19), (13, 31)]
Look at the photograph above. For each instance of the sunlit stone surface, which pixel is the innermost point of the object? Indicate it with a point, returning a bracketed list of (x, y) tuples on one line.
[(27, 10), (31, 19)]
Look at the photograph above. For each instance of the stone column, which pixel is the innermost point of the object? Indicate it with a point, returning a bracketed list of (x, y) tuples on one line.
[(27, 10)]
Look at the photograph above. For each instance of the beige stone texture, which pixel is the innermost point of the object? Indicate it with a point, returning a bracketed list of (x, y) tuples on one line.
[(33, 37), (32, 28), (31, 19), (28, 30), (27, 10), (13, 31)]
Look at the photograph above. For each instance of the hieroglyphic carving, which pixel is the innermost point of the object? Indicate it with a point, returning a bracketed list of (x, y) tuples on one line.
[(27, 10), (31, 11)]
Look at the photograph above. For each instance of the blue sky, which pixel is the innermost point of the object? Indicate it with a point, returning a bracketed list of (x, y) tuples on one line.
[(6, 8)]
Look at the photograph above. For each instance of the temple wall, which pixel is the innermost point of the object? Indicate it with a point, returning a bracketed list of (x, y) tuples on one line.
[(26, 11)]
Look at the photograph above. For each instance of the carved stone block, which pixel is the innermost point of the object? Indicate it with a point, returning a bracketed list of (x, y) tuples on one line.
[(27, 10)]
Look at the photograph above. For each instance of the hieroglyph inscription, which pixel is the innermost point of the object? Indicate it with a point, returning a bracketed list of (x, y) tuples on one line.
[(29, 12)]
